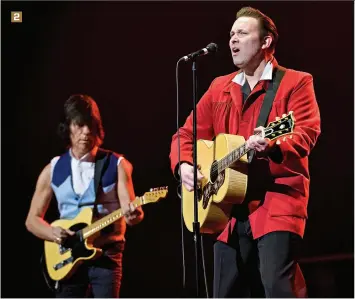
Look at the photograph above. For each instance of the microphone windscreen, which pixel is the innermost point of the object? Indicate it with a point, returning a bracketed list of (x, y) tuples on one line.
[(212, 47)]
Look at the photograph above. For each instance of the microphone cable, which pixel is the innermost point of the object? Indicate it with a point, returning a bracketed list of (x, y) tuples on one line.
[(179, 188)]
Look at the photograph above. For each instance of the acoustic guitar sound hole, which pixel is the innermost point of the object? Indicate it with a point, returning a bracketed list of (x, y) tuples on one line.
[(214, 172), (211, 188)]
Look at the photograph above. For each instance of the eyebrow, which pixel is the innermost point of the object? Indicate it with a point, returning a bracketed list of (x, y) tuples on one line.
[(238, 31)]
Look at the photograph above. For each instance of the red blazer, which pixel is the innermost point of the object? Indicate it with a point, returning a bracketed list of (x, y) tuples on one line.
[(221, 110)]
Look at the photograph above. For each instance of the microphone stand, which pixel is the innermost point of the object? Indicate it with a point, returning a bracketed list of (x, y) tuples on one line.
[(196, 224), (212, 47)]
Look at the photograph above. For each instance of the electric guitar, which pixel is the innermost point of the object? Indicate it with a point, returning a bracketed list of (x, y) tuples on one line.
[(224, 165), (63, 260)]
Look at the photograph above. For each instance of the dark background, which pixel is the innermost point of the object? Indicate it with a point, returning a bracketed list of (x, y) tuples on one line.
[(124, 55)]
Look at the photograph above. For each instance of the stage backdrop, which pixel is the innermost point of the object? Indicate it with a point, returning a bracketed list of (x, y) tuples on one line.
[(124, 55)]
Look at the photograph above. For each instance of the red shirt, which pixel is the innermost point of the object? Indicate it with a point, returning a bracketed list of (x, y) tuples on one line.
[(281, 204)]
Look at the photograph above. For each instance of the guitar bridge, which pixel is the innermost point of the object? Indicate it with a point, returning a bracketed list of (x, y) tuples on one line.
[(63, 263), (63, 249)]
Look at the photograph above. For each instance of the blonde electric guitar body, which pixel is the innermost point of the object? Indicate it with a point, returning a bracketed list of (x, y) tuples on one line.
[(224, 165), (63, 260)]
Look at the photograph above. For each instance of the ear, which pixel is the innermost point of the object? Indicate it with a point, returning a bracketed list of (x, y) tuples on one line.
[(266, 42)]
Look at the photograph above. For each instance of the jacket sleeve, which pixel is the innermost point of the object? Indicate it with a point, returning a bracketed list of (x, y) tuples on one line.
[(204, 130), (302, 102)]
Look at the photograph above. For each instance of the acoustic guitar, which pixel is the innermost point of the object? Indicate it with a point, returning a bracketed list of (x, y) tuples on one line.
[(224, 165)]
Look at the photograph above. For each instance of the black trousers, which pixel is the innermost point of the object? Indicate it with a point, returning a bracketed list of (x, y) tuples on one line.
[(100, 278), (266, 267)]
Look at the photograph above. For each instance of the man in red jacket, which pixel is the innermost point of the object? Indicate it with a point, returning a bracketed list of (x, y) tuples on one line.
[(264, 231)]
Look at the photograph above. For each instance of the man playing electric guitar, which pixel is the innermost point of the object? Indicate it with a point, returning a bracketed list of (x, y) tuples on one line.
[(70, 178)]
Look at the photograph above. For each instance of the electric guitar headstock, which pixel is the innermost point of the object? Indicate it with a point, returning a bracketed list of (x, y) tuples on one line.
[(281, 126), (155, 194)]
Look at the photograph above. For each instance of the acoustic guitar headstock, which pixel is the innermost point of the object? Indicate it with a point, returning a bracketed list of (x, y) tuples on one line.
[(281, 126)]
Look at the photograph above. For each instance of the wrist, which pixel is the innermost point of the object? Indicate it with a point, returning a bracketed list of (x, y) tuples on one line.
[(275, 153), (177, 171)]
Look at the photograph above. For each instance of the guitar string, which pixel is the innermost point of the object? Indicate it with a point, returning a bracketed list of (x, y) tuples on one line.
[(219, 164), (114, 216)]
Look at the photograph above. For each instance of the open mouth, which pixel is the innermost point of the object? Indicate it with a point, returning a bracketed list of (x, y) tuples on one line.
[(235, 50)]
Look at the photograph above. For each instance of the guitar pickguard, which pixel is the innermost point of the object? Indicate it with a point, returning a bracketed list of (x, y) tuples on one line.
[(211, 188), (75, 245)]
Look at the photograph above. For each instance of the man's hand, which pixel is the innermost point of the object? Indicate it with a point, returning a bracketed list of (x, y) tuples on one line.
[(131, 213), (60, 234), (258, 142), (187, 176)]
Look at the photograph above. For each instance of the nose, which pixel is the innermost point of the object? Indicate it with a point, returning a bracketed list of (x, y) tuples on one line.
[(86, 129), (234, 39)]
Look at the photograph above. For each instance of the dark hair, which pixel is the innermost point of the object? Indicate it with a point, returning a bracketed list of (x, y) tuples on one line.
[(81, 110), (267, 26)]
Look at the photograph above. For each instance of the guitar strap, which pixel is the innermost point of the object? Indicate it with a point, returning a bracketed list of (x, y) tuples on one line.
[(101, 164), (279, 72)]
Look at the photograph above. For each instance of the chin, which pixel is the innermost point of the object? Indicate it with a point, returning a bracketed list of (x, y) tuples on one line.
[(85, 148), (238, 63)]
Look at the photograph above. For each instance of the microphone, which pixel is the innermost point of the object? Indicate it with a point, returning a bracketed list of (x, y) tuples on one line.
[(210, 48)]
